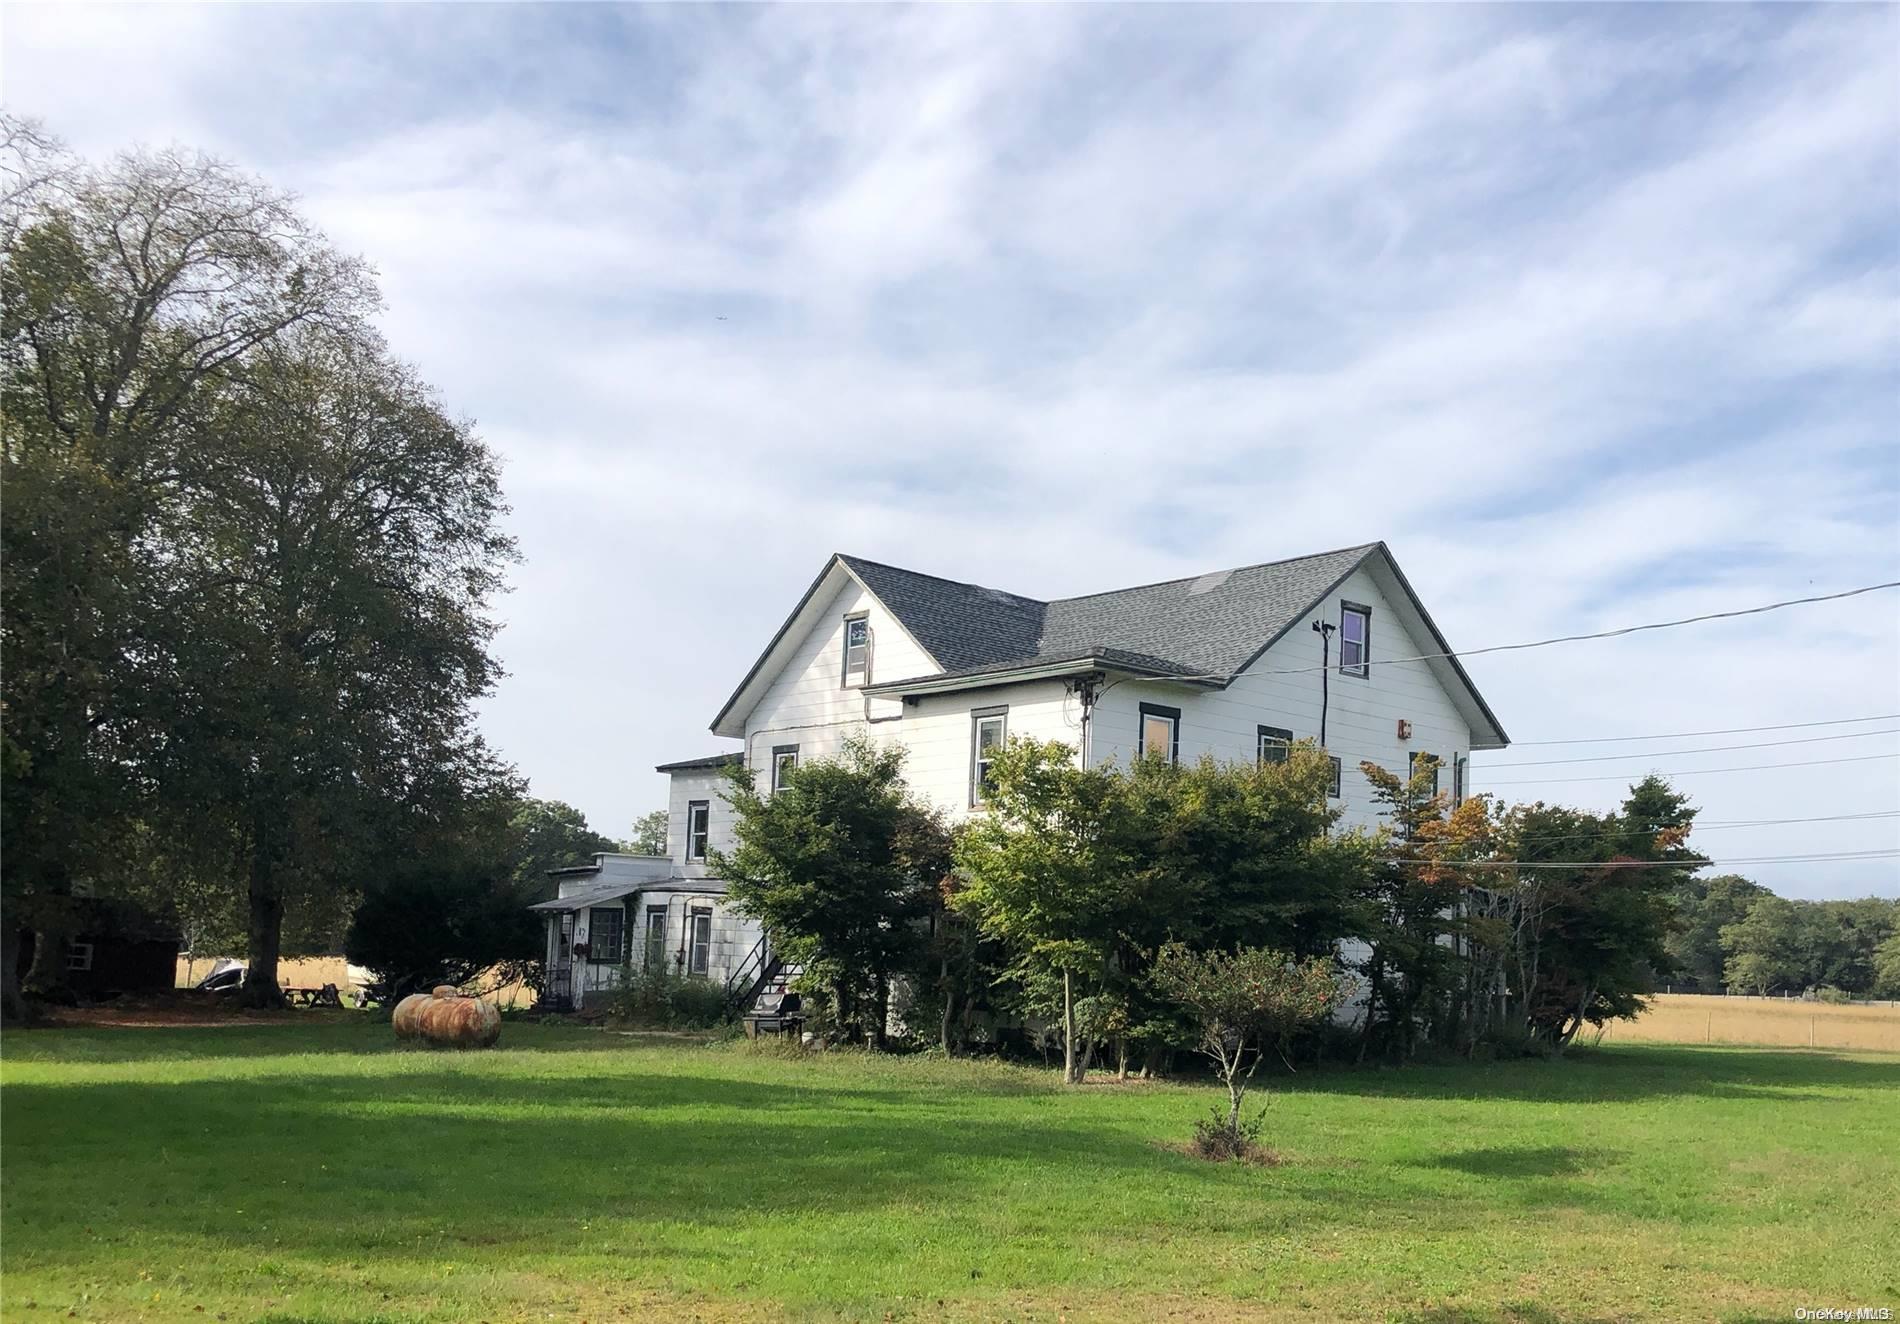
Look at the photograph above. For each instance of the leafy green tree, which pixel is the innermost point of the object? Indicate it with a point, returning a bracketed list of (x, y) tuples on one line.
[(842, 865), (336, 562), (1887, 966), (1242, 1003), (1704, 907), (1046, 871), (550, 834), (131, 292), (1764, 946), (649, 834)]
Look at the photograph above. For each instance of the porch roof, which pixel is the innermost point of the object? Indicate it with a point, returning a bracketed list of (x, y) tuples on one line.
[(598, 894)]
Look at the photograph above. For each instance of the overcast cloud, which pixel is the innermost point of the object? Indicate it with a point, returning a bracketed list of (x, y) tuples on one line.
[(1593, 314)]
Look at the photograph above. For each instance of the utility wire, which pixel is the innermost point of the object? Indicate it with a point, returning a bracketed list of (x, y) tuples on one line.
[(1703, 749), (1725, 731), (1691, 772), (1659, 864), (1708, 827), (1578, 638)]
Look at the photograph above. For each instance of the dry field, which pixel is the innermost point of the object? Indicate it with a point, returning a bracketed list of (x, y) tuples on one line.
[(316, 971), (1689, 1018)]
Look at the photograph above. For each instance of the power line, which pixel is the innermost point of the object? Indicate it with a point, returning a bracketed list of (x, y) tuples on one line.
[(1711, 827), (1578, 638), (1725, 731), (1704, 749), (1661, 864), (1690, 772)]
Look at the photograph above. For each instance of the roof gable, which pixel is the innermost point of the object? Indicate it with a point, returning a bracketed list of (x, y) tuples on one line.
[(1209, 627)]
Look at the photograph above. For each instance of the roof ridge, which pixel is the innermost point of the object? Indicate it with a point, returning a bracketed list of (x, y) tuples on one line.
[(849, 559), (1188, 579)]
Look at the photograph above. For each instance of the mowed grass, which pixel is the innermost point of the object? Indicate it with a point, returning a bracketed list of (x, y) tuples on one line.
[(316, 1172), (1685, 1018)]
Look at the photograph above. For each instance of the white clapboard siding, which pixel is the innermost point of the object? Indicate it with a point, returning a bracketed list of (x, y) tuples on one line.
[(1362, 715)]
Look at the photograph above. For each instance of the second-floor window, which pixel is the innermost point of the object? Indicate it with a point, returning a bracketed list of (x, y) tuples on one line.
[(1355, 639), (1460, 769), (857, 651), (1333, 791), (989, 732), (698, 822), (784, 762), (1275, 743), (1419, 762), (1160, 733)]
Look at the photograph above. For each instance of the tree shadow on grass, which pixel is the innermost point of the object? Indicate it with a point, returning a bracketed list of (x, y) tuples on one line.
[(1522, 1161), (1625, 1074)]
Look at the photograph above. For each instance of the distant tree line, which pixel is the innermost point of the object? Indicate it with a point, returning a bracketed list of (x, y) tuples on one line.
[(1733, 934), (250, 562)]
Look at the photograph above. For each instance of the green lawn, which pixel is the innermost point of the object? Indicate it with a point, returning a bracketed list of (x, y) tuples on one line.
[(317, 1172)]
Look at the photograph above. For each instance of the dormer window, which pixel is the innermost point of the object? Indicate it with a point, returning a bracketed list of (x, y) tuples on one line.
[(857, 651), (1355, 639)]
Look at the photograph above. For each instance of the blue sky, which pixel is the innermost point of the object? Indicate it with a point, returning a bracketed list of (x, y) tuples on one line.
[(1591, 313)]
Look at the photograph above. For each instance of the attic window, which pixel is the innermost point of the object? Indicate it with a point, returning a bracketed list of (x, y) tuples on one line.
[(857, 652), (1355, 639)]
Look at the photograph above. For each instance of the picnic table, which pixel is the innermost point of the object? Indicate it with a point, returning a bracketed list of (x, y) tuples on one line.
[(327, 996)]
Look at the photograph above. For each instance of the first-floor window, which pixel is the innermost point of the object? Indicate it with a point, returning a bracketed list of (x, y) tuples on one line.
[(1338, 773), (656, 937), (699, 950), (1275, 743), (605, 927), (698, 819), (1160, 733), (784, 762), (79, 956), (989, 733)]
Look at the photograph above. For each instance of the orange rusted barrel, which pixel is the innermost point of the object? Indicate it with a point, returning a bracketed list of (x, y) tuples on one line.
[(447, 1017)]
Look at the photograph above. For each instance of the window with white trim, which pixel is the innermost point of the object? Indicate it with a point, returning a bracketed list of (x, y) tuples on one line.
[(1355, 639), (1333, 791), (1416, 763), (699, 947), (857, 651), (605, 929), (989, 733), (656, 937), (698, 827), (784, 762), (1276, 742), (1160, 733)]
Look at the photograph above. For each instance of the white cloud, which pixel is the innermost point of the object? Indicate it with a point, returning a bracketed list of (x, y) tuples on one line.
[(1593, 314)]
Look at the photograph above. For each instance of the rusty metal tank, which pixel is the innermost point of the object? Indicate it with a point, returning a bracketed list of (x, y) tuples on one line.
[(449, 1017)]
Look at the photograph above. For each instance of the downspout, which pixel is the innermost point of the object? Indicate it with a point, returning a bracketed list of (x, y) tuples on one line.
[(1324, 630)]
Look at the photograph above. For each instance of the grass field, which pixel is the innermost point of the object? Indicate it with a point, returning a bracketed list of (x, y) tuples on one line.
[(1683, 1018), (313, 1172)]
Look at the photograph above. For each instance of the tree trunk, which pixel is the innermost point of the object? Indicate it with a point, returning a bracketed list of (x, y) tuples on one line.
[(1070, 1075), (13, 1008), (266, 935), (882, 1011)]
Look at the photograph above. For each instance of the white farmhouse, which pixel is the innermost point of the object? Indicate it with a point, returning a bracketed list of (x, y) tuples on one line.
[(1237, 664)]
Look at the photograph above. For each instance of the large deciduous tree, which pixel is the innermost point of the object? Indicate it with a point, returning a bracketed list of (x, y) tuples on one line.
[(130, 294), (842, 865)]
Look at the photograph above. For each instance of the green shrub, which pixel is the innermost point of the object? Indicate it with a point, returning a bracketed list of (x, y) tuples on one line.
[(663, 999)]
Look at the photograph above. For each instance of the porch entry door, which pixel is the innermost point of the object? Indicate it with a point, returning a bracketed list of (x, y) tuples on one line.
[(561, 967)]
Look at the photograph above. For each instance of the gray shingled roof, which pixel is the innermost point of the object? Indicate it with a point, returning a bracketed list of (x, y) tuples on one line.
[(1208, 625), (710, 761)]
